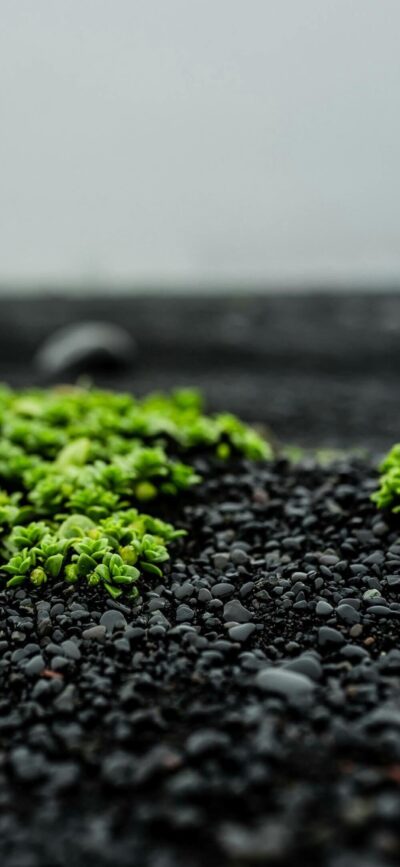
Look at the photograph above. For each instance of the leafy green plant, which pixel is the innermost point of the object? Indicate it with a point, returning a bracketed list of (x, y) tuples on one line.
[(76, 465), (388, 494)]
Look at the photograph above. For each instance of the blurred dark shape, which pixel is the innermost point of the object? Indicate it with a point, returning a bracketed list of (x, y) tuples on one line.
[(85, 347)]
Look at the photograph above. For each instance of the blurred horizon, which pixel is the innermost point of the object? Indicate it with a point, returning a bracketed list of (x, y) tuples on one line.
[(204, 146)]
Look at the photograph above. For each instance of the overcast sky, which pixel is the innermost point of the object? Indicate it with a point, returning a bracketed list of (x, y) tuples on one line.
[(199, 140)]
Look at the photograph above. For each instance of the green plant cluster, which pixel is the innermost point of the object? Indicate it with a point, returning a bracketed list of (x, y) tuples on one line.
[(388, 494), (76, 465)]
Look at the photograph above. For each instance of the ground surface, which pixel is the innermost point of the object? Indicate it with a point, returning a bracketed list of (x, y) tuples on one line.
[(247, 711)]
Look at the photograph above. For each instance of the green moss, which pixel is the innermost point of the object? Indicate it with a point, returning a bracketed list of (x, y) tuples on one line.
[(76, 466)]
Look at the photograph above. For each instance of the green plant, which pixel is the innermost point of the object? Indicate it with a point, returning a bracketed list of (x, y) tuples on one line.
[(388, 494), (76, 465)]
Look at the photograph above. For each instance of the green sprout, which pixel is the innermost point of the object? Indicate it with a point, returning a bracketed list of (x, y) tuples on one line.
[(77, 464)]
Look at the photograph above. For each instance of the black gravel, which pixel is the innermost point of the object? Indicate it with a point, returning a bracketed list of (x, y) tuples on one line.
[(247, 711)]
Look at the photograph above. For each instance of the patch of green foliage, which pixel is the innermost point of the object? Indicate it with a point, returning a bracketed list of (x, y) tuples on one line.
[(76, 465), (388, 494)]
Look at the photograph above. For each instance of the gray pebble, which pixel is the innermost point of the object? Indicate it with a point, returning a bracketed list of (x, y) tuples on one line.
[(66, 701), (323, 608), (184, 613), (222, 589), (35, 665), (239, 557), (112, 620), (221, 561), (206, 741), (95, 633), (289, 684), (70, 649), (85, 344), (241, 632), (347, 614), (235, 611), (329, 638), (27, 765), (305, 664)]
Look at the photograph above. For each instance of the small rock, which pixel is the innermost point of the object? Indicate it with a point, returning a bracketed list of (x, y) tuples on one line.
[(184, 613), (85, 345), (235, 611), (347, 614), (35, 665), (329, 638), (66, 701), (221, 561), (290, 684), (222, 589), (71, 650), (113, 620), (305, 664), (206, 741), (28, 766), (242, 632), (239, 557), (95, 633), (323, 609)]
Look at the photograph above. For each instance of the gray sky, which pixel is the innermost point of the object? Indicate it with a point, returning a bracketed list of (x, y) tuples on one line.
[(199, 140)]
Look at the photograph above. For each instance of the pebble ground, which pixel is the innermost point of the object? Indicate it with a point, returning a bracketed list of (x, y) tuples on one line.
[(245, 712)]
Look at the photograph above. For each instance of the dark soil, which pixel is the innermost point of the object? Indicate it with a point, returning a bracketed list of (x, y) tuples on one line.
[(246, 712)]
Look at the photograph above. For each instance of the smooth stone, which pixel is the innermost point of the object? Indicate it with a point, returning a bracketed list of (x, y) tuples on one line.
[(206, 741), (235, 611), (347, 614), (221, 561), (241, 632), (223, 588), (66, 701), (35, 665), (27, 766), (113, 620), (323, 609), (239, 557), (84, 345), (291, 685), (184, 613), (305, 664), (94, 633), (70, 650), (330, 638)]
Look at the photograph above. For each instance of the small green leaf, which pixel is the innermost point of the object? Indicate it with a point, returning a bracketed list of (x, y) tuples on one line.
[(113, 591), (16, 581)]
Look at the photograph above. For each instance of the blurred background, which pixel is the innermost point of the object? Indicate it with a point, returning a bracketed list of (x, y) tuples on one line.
[(220, 179)]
